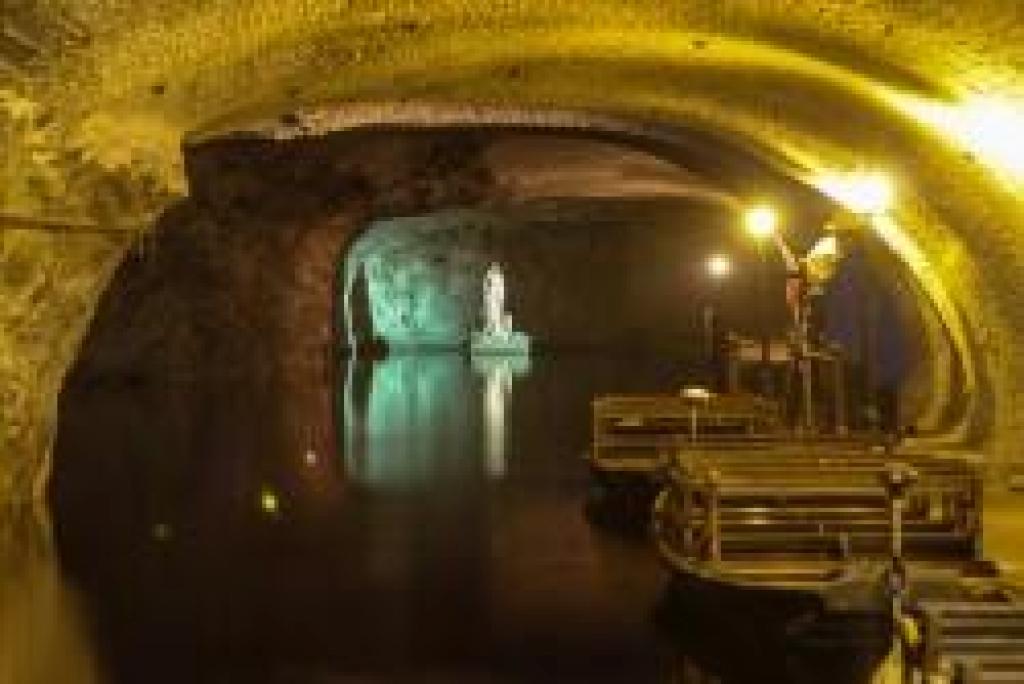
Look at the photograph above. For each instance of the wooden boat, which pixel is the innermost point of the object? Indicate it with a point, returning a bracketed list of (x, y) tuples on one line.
[(638, 438), (636, 433), (837, 527)]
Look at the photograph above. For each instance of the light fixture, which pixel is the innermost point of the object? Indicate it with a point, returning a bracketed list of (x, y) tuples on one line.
[(719, 266), (866, 194), (269, 501), (760, 221), (986, 126)]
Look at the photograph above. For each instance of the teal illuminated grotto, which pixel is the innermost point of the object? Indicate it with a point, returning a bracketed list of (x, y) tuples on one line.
[(582, 273)]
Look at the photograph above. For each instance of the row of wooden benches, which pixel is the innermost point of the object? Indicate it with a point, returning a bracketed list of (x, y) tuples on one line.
[(805, 505), (970, 642)]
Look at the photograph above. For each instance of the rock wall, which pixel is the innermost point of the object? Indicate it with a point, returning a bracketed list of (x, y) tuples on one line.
[(418, 280), (39, 294), (926, 89), (242, 274)]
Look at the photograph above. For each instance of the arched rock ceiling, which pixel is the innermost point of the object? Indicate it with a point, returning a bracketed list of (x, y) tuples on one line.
[(97, 95), (533, 167)]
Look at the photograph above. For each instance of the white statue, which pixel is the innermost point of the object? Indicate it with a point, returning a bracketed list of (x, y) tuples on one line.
[(495, 321), (496, 336)]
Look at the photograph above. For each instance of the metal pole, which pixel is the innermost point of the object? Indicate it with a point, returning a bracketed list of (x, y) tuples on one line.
[(762, 314), (732, 381), (807, 389), (839, 389), (708, 318), (713, 527), (870, 352)]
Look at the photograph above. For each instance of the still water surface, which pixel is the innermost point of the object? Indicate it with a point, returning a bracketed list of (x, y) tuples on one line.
[(426, 524)]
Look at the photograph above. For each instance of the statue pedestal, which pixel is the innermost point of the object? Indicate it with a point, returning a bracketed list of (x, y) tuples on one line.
[(510, 343)]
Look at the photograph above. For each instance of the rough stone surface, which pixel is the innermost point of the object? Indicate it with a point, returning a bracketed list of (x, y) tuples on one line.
[(42, 624), (48, 277), (238, 284), (98, 94)]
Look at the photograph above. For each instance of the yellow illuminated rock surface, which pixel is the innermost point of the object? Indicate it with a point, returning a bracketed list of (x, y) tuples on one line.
[(96, 97)]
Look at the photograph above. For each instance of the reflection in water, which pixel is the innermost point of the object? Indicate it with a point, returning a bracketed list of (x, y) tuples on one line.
[(409, 420), (43, 636), (498, 372), (403, 413), (220, 536)]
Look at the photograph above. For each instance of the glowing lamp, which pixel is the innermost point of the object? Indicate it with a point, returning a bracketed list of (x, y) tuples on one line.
[(760, 221), (868, 194), (991, 129), (988, 127), (269, 501), (719, 266)]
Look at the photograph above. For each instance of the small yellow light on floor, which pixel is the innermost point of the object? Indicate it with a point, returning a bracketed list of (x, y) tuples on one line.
[(269, 501), (161, 532)]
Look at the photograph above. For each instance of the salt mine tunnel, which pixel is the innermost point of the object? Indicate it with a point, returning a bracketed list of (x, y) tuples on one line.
[(256, 427)]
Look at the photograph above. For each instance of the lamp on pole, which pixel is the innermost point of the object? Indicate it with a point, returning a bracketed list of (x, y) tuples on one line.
[(761, 222), (718, 268)]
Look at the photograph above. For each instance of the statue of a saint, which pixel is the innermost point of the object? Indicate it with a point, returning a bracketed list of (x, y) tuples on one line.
[(496, 336), (494, 300)]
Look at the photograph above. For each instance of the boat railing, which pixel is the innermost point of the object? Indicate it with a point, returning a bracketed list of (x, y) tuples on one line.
[(632, 432), (970, 641), (806, 507)]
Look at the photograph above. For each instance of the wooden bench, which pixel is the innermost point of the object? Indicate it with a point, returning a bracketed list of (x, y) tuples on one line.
[(637, 434), (967, 642), (807, 506)]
